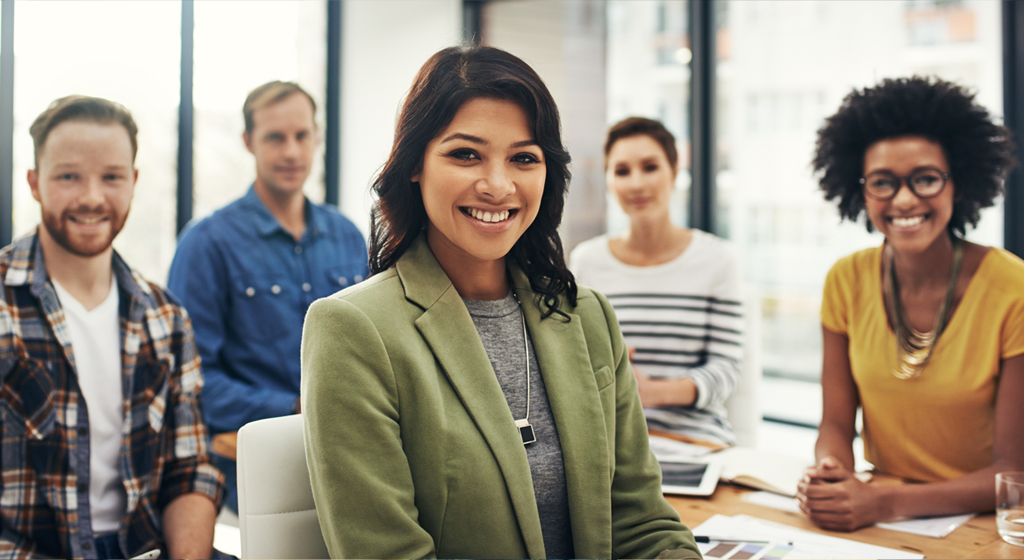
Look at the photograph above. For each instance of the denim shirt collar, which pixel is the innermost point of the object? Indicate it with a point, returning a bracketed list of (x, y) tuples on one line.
[(267, 224)]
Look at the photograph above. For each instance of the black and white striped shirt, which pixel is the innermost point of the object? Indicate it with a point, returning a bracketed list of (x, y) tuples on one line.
[(684, 318)]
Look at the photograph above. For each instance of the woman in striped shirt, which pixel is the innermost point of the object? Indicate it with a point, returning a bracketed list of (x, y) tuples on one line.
[(674, 290)]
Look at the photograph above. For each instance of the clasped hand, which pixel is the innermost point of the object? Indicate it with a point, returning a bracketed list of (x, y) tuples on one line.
[(834, 499)]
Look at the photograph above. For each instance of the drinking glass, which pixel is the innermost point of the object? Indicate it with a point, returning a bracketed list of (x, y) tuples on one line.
[(1010, 506)]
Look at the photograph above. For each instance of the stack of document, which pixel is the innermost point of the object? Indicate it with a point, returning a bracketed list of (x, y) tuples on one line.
[(749, 538)]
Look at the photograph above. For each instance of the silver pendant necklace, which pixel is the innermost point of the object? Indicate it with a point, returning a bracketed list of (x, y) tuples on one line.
[(523, 424)]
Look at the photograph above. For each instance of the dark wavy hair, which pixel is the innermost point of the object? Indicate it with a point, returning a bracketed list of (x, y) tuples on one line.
[(979, 151), (641, 126), (446, 81)]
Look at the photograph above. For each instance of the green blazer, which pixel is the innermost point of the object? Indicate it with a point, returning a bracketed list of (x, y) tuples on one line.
[(413, 452)]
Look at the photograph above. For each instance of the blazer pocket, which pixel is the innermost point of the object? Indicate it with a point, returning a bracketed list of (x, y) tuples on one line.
[(604, 378)]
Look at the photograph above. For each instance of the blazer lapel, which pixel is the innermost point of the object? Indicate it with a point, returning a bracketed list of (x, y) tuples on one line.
[(449, 331), (573, 395)]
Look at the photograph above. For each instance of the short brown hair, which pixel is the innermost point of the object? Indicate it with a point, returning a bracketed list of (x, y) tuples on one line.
[(82, 108), (268, 94), (636, 126)]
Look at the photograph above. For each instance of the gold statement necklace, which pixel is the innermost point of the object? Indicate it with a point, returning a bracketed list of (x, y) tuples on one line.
[(913, 347)]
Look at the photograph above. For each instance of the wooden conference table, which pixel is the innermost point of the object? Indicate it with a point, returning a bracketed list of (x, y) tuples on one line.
[(975, 539)]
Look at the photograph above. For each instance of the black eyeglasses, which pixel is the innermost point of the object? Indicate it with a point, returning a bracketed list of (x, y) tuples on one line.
[(925, 183)]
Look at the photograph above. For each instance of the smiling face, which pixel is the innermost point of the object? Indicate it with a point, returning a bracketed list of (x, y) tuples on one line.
[(641, 177), (481, 180), (910, 224), (283, 140), (84, 184)]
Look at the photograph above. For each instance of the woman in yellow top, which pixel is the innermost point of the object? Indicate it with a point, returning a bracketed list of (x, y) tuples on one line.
[(926, 332)]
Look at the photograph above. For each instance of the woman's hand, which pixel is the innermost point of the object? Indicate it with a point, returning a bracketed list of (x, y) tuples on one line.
[(833, 498), (663, 392), (650, 393)]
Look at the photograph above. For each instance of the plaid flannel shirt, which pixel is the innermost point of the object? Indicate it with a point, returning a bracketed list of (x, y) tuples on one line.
[(44, 492)]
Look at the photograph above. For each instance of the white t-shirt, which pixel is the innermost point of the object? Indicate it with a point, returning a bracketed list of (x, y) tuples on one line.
[(96, 342), (685, 320)]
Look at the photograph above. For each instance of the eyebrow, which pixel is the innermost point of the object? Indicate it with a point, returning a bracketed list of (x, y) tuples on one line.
[(915, 170), (481, 141), (75, 165)]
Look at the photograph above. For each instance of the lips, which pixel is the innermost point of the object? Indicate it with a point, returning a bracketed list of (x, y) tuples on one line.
[(88, 220), (491, 217), (907, 221)]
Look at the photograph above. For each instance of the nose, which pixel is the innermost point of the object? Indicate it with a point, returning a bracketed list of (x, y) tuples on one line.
[(291, 148), (904, 194), (496, 182), (92, 195)]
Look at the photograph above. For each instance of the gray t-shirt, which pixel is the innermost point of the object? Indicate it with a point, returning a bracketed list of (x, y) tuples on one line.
[(500, 326)]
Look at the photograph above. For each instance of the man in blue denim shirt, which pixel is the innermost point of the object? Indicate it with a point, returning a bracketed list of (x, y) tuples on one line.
[(247, 273)]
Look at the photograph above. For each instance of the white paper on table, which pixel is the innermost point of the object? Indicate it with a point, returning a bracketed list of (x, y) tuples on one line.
[(670, 450), (805, 543), (936, 527)]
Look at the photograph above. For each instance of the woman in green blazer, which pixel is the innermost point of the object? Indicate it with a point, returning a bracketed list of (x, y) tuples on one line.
[(428, 432)]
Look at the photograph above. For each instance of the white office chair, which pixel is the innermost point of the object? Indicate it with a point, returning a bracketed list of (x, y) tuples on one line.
[(276, 512), (744, 405)]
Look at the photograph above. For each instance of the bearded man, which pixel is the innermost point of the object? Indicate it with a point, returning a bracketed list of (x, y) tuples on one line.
[(104, 451)]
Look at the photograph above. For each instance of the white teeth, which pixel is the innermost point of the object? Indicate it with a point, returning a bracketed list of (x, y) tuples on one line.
[(907, 222), (490, 217), (88, 221)]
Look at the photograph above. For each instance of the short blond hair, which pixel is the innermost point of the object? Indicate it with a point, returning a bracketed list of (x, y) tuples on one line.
[(82, 108), (268, 94)]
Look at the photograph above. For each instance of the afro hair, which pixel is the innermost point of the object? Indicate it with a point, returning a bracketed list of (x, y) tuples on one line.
[(979, 151)]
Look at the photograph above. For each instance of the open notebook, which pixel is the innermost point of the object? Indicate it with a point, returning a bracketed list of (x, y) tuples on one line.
[(760, 470)]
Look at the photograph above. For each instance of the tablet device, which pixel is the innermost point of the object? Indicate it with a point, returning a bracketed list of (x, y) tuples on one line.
[(689, 478)]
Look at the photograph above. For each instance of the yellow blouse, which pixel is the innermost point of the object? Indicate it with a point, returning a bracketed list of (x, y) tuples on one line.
[(937, 426)]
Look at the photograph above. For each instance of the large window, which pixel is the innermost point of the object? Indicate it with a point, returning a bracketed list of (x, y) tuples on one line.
[(104, 49)]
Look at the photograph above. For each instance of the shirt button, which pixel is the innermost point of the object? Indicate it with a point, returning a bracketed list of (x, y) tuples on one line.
[(306, 287), (298, 249), (87, 545), (358, 278), (250, 291), (275, 289), (83, 488), (342, 280), (82, 431)]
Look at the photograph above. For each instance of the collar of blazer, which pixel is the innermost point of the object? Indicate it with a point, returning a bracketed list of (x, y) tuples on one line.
[(572, 390)]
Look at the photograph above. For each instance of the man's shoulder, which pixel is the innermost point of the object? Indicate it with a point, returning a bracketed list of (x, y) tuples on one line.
[(335, 220), (217, 232), (223, 219)]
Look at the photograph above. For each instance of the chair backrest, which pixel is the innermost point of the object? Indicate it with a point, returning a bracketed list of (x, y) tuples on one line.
[(744, 405), (276, 513)]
